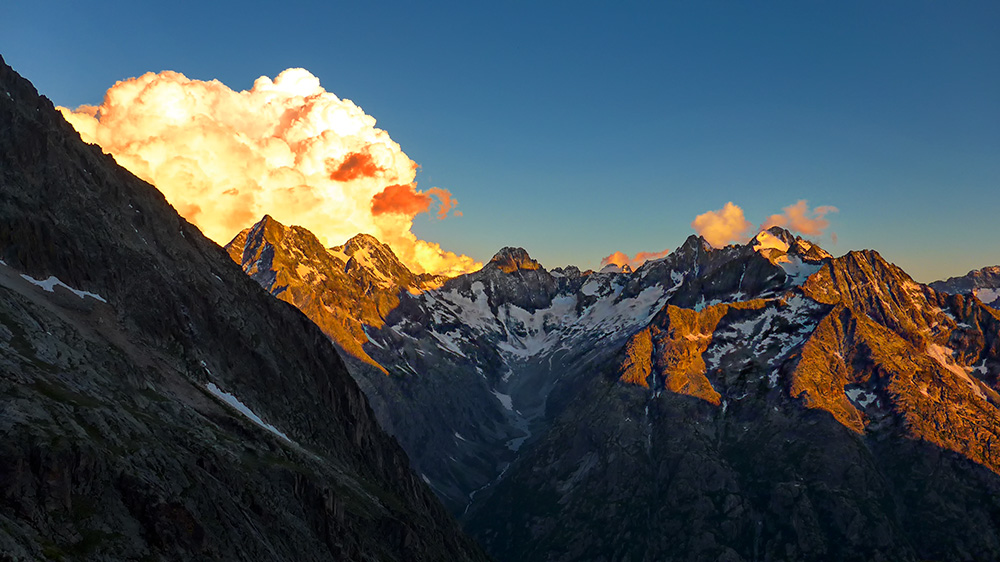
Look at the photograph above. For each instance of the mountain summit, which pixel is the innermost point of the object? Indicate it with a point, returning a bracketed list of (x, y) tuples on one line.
[(509, 260), (341, 289)]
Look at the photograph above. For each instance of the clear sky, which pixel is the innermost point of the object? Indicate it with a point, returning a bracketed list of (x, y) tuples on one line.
[(576, 129)]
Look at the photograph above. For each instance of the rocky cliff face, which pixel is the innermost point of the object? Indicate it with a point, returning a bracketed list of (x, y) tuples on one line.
[(156, 403), (341, 289)]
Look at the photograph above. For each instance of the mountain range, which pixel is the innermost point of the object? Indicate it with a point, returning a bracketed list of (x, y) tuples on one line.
[(753, 402), (983, 283)]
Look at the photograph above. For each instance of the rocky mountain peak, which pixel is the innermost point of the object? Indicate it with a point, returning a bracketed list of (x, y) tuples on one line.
[(269, 228), (694, 242), (359, 241), (509, 260), (774, 237), (775, 242), (365, 255), (570, 271), (782, 233)]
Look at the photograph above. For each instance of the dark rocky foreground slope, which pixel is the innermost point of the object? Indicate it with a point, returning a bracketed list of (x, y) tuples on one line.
[(134, 356)]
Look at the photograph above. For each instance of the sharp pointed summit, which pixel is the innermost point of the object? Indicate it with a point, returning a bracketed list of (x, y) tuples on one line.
[(509, 260)]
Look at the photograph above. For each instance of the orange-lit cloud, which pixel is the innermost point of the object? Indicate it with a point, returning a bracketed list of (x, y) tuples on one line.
[(286, 147), (723, 226), (355, 165), (445, 200), (400, 199), (798, 218), (621, 258), (406, 200)]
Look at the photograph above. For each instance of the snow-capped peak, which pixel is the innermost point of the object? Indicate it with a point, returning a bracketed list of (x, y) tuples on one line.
[(765, 239)]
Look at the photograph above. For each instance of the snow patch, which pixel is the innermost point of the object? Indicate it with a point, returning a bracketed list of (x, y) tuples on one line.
[(772, 333), (797, 270), (303, 270), (473, 311), (945, 357), (243, 409), (702, 304), (772, 379), (448, 342), (368, 337), (860, 396), (52, 282), (987, 296), (339, 255), (591, 287), (364, 259), (504, 399)]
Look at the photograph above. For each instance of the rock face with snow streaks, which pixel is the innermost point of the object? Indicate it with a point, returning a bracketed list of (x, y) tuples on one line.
[(983, 283)]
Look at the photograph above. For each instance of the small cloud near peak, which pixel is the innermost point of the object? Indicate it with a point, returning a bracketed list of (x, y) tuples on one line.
[(722, 226), (798, 218), (621, 259)]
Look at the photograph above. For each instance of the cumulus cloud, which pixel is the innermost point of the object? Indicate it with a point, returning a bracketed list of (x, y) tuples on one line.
[(621, 258), (799, 218), (723, 226), (286, 147)]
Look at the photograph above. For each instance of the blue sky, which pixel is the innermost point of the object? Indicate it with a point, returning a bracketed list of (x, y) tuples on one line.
[(575, 129)]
